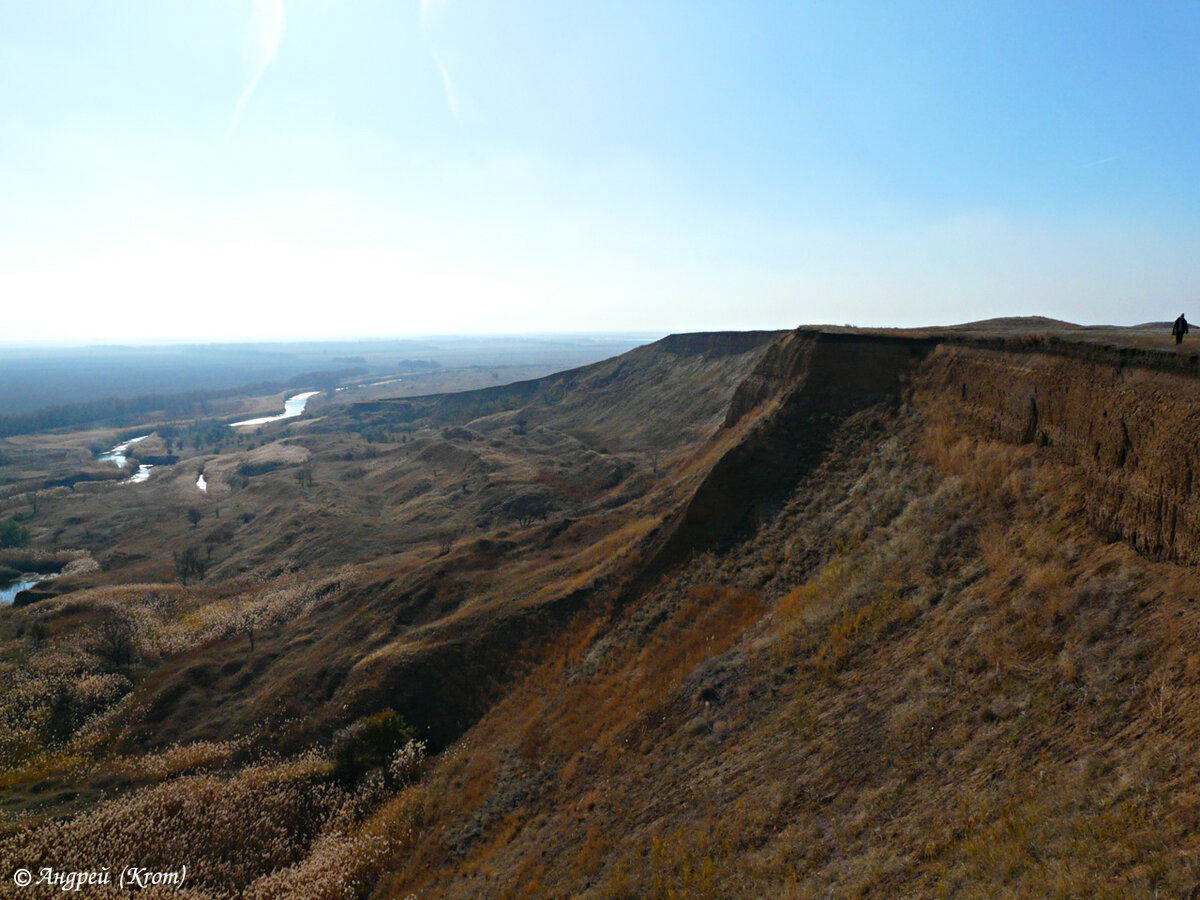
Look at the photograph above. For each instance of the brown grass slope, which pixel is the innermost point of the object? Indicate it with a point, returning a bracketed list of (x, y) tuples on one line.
[(918, 619), (434, 634), (932, 673), (653, 399), (256, 658)]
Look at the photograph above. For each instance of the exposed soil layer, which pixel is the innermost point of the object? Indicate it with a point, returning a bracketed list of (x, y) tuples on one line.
[(1129, 422)]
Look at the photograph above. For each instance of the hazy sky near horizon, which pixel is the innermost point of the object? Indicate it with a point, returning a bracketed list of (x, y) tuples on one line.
[(304, 168)]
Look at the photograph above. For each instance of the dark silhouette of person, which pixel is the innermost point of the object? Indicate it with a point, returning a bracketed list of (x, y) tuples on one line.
[(1179, 329)]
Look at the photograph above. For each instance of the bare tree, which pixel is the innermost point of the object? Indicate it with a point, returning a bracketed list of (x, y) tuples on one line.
[(116, 641), (248, 623), (190, 563)]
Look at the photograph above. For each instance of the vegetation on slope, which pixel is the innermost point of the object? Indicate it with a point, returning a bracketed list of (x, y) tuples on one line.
[(925, 671)]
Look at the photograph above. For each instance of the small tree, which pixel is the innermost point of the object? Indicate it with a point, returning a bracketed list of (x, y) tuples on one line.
[(60, 723), (247, 624), (116, 641), (190, 563), (194, 516), (527, 509)]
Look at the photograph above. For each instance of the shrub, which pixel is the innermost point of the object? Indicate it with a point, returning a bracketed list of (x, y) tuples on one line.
[(407, 762), (222, 534), (74, 704), (12, 534), (370, 743), (38, 632), (527, 509)]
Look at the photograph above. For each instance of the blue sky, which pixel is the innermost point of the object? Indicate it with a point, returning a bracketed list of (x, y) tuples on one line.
[(258, 168)]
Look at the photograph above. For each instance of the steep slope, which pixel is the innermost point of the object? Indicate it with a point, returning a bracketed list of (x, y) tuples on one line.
[(655, 398), (1129, 427), (484, 536), (813, 382), (930, 672), (897, 616)]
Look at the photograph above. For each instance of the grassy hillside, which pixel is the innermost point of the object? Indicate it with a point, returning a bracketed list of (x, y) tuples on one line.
[(814, 614)]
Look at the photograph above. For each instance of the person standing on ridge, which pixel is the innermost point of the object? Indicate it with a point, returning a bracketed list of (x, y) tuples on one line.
[(1179, 329)]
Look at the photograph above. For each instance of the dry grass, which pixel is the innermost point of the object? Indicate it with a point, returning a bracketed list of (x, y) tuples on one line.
[(968, 694), (926, 676)]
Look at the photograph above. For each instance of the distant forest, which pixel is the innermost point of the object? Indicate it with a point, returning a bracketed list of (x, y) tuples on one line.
[(32, 378), (43, 387), (115, 412)]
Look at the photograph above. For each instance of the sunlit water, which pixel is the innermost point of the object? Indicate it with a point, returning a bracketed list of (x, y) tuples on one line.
[(9, 594), (142, 474), (292, 407), (117, 453)]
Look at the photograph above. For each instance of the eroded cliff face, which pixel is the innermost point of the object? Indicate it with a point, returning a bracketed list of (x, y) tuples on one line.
[(1131, 428), (785, 361), (1127, 420), (804, 389)]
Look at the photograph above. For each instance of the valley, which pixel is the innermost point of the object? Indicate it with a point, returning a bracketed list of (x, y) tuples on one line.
[(821, 612)]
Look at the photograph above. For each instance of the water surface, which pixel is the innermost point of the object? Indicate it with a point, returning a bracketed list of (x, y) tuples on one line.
[(142, 474), (292, 407), (9, 594), (117, 453)]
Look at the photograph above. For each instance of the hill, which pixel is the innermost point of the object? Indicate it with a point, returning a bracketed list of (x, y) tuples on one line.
[(817, 613)]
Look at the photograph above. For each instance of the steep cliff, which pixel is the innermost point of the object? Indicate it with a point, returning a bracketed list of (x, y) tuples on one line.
[(805, 388), (889, 647), (1127, 418), (1129, 422)]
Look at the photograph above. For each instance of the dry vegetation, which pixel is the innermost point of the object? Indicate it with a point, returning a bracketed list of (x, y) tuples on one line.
[(925, 673), (927, 677)]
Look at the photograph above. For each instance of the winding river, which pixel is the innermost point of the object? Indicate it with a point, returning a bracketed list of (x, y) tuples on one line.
[(142, 474), (117, 453), (9, 594), (292, 407)]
